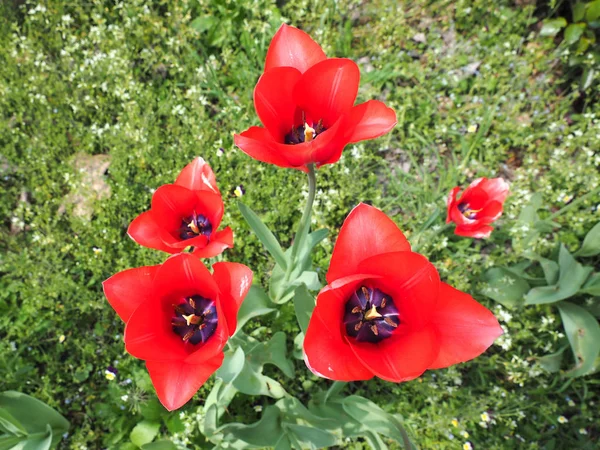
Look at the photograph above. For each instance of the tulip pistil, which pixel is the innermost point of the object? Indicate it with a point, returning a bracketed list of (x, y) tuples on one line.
[(194, 226), (370, 315), (195, 319), (304, 133), (467, 211)]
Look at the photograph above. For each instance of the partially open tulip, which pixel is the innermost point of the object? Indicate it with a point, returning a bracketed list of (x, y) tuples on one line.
[(306, 103), (178, 318), (385, 312), (478, 206), (187, 213)]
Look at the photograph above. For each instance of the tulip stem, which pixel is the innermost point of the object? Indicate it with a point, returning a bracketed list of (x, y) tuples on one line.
[(306, 215)]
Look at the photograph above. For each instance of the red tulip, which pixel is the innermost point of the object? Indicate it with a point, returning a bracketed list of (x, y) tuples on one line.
[(185, 214), (178, 318), (385, 312), (478, 206), (305, 102)]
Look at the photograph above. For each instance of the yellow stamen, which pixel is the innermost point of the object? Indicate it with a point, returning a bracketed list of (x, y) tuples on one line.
[(309, 133), (372, 313), (468, 212), (192, 225)]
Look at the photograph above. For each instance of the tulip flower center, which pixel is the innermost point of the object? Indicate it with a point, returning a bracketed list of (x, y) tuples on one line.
[(195, 319), (467, 211), (370, 315), (304, 133), (194, 226)]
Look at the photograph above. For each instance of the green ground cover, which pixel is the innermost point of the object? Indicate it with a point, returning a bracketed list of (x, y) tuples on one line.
[(144, 87)]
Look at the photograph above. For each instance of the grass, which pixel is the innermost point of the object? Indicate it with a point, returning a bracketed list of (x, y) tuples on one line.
[(154, 84)]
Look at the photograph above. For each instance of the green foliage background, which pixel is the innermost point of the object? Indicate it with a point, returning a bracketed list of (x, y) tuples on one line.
[(153, 84)]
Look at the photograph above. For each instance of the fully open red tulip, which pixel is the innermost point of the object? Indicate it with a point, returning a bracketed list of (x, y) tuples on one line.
[(178, 318), (187, 213), (306, 103), (478, 206), (385, 312)]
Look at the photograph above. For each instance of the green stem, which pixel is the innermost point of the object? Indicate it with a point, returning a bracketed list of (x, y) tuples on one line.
[(306, 215), (574, 203)]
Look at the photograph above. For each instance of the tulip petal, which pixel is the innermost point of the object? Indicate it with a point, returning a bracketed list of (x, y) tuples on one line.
[(145, 231), (128, 289), (273, 100), (327, 90), (465, 328), (198, 176), (370, 120), (184, 275), (366, 232), (412, 282), (234, 281), (170, 204), (258, 143), (451, 204), (177, 382), (478, 231), (291, 47), (496, 188), (326, 352), (402, 357), (210, 205), (219, 241)]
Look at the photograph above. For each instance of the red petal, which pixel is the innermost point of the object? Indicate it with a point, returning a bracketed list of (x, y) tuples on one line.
[(126, 290), (258, 143), (273, 100), (496, 189), (177, 382), (198, 176), (234, 281), (402, 357), (370, 120), (219, 241), (477, 231), (291, 47), (326, 352), (211, 206), (451, 205), (410, 279), (465, 328), (145, 231), (171, 203), (327, 146), (328, 90), (184, 275), (366, 232)]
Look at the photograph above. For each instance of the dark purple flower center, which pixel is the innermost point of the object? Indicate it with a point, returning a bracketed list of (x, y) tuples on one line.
[(304, 133), (195, 319), (195, 225), (467, 211), (370, 315)]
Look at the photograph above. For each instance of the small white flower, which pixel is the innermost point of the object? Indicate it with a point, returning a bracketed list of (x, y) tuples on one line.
[(125, 397), (562, 419)]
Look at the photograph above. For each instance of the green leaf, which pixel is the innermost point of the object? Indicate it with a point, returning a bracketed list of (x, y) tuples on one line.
[(374, 418), (232, 365), (32, 415), (591, 243), (264, 433), (152, 410), (572, 276), (144, 432), (578, 11), (553, 26), (552, 362), (160, 445), (587, 77), (311, 436), (8, 424), (583, 332), (304, 303), (592, 285), (256, 303), (505, 287), (264, 235), (573, 32), (593, 11)]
